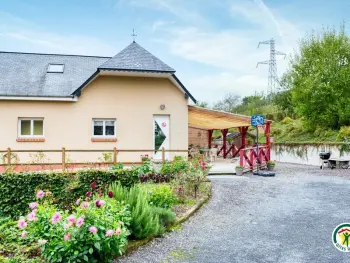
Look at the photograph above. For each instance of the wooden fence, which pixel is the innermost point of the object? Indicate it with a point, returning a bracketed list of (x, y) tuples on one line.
[(10, 154)]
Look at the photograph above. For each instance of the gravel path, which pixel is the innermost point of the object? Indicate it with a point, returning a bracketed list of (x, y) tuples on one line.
[(289, 218)]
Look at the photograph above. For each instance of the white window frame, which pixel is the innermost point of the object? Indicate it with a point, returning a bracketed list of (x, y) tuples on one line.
[(55, 71), (104, 128), (31, 128)]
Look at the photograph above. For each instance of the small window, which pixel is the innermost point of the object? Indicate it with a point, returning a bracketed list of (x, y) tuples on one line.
[(28, 127), (55, 68), (104, 128)]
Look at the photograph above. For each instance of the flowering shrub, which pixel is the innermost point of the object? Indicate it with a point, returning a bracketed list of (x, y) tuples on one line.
[(95, 232), (179, 165), (155, 178), (160, 195)]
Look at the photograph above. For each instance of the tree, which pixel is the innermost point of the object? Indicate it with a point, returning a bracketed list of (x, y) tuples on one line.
[(320, 79), (283, 98), (202, 104), (228, 103)]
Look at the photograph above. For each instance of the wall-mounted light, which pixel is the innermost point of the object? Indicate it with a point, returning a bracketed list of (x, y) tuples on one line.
[(162, 107)]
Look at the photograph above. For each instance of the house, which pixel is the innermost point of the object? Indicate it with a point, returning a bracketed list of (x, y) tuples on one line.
[(130, 101)]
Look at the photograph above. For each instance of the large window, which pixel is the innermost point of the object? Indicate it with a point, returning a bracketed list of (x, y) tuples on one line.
[(30, 127), (104, 128)]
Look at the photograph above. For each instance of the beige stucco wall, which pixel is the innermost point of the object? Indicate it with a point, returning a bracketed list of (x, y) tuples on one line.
[(131, 100)]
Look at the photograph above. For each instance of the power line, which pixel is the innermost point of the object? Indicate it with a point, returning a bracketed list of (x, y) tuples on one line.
[(273, 77)]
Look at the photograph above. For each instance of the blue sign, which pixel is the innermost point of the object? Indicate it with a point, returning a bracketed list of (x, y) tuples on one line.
[(258, 120)]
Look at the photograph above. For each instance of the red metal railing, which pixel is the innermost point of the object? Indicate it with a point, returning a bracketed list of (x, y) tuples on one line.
[(249, 156)]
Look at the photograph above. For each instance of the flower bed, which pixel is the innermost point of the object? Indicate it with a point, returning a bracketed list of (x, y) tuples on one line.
[(89, 217)]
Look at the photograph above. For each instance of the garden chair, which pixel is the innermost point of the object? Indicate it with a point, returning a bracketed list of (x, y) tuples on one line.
[(213, 154)]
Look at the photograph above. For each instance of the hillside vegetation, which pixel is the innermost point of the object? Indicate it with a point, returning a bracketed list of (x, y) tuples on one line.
[(312, 104)]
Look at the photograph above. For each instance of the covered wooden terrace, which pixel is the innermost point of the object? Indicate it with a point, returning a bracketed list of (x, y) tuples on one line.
[(211, 120)]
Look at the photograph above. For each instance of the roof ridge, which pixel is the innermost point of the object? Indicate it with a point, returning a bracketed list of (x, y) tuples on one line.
[(136, 57), (49, 54)]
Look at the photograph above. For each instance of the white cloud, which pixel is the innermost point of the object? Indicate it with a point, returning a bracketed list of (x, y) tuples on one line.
[(213, 87), (233, 52), (32, 38)]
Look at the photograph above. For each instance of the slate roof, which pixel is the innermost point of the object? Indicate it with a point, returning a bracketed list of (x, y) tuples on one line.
[(136, 58), (25, 74)]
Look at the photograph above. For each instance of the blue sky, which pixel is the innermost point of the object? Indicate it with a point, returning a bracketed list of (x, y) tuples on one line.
[(211, 44)]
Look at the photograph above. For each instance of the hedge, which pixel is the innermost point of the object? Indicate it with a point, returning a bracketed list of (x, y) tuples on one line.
[(18, 189)]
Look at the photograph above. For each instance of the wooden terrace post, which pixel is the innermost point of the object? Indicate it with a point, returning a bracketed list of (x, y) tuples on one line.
[(268, 141), (8, 158), (63, 159), (210, 137), (114, 155), (241, 157), (224, 141), (163, 155)]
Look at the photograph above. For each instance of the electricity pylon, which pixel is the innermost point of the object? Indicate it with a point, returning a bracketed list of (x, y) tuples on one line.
[(273, 77)]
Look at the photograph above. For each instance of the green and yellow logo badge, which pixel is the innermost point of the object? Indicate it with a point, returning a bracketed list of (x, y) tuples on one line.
[(341, 237)]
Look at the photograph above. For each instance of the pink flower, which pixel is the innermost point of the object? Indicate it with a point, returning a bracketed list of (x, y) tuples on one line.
[(22, 223), (40, 194), (93, 185), (117, 232), (71, 219), (55, 218), (77, 202), (93, 229), (68, 225), (99, 203), (80, 221), (24, 234), (33, 205), (31, 216), (109, 233), (85, 205), (67, 237), (42, 241), (88, 194)]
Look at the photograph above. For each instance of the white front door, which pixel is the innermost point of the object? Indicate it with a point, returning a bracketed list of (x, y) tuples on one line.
[(161, 136)]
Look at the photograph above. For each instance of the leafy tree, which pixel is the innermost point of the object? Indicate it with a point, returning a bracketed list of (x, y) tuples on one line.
[(320, 79), (283, 98), (202, 104), (228, 103)]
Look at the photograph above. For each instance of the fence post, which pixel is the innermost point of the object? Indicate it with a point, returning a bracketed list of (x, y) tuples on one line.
[(63, 159), (115, 155), (8, 158), (163, 155)]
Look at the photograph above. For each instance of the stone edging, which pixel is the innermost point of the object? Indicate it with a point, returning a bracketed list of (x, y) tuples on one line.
[(133, 245)]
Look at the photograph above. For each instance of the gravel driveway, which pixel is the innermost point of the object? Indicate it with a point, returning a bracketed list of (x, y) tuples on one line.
[(289, 218)]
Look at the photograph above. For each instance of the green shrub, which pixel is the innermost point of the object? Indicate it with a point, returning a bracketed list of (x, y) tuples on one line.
[(287, 120), (166, 216), (103, 178), (95, 232), (343, 132), (276, 131), (118, 166), (144, 221), (160, 195), (175, 167), (17, 190)]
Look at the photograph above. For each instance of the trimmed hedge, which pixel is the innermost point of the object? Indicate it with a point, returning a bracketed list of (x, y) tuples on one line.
[(18, 189)]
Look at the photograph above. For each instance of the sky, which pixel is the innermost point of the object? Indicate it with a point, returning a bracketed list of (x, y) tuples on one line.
[(212, 45)]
